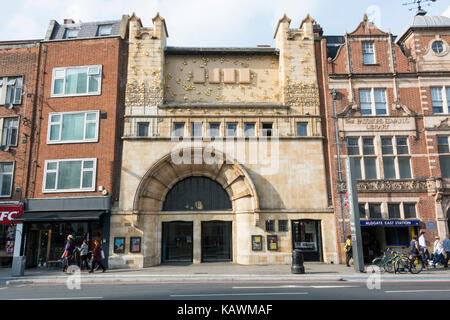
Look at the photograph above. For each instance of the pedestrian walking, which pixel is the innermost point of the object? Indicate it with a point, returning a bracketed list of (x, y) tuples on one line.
[(68, 253), (348, 250), (414, 249), (97, 257), (438, 252), (446, 245), (84, 249), (423, 247)]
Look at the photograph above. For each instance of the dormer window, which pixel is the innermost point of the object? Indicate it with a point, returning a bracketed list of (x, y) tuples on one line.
[(368, 52), (438, 47), (71, 33), (104, 30)]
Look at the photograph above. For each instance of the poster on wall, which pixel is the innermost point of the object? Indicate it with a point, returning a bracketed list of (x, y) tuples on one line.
[(119, 245), (272, 242), (257, 243), (135, 244)]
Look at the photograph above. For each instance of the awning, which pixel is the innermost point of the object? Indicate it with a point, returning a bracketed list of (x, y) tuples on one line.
[(60, 216)]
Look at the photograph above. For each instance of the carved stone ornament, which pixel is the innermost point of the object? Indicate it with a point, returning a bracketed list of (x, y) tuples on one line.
[(444, 125), (397, 106), (349, 110), (391, 186)]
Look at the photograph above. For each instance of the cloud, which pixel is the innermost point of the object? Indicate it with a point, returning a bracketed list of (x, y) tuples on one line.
[(447, 12)]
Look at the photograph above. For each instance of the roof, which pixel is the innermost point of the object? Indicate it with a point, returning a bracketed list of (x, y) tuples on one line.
[(86, 30), (420, 22), (220, 51)]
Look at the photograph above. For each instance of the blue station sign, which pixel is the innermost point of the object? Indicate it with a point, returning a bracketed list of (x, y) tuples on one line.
[(390, 223)]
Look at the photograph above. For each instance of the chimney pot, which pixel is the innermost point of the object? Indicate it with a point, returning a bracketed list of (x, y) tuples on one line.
[(69, 21)]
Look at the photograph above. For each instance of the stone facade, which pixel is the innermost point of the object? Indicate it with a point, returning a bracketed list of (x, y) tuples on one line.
[(260, 86)]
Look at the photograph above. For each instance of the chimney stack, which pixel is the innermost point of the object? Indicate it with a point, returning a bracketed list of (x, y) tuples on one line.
[(69, 21)]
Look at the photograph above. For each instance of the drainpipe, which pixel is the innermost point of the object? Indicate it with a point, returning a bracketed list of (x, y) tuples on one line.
[(336, 129)]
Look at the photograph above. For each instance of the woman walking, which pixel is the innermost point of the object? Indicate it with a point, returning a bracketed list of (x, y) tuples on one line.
[(348, 250), (97, 257)]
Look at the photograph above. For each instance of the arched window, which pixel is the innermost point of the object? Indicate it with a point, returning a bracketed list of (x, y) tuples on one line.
[(197, 194)]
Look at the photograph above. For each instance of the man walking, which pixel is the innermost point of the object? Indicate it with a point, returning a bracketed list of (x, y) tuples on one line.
[(423, 247), (68, 253), (84, 255), (446, 245)]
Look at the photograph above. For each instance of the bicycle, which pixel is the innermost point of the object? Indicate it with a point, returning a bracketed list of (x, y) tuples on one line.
[(386, 262), (404, 264)]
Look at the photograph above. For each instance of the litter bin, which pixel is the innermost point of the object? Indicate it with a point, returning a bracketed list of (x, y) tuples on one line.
[(18, 266), (297, 262)]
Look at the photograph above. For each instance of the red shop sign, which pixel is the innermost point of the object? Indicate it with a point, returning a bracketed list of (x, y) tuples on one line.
[(9, 213)]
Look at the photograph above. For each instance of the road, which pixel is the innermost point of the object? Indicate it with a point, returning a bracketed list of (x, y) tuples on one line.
[(231, 291)]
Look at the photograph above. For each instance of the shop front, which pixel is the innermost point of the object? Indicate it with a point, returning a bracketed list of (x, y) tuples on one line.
[(378, 235), (48, 222), (8, 213)]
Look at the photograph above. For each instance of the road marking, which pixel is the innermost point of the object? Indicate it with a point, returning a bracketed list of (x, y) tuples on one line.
[(3, 288), (413, 291), (237, 294), (69, 298), (295, 286)]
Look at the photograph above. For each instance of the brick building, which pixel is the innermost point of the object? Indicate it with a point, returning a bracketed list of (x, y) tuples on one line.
[(76, 158), (391, 100), (19, 62)]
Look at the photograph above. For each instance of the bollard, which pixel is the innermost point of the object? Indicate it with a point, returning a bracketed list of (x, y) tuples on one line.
[(297, 262)]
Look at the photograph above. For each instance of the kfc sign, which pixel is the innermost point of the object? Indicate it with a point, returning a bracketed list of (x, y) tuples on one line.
[(9, 213)]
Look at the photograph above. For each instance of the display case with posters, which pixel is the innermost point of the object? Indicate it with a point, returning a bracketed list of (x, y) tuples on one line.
[(119, 245), (135, 244), (257, 244), (272, 243)]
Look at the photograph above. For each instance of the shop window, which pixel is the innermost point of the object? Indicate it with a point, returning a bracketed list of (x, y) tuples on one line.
[(396, 237), (73, 127), (142, 129), (283, 225), (270, 225), (7, 237), (77, 81)]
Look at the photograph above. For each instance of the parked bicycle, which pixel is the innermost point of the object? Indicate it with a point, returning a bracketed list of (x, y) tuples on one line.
[(386, 262), (397, 262)]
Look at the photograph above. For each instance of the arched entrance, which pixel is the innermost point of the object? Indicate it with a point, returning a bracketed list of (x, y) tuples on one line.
[(195, 211)]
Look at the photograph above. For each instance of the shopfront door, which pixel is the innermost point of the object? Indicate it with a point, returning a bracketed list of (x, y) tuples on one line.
[(177, 238), (38, 248), (306, 236), (216, 241)]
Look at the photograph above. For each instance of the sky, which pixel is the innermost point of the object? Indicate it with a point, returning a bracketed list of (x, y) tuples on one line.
[(209, 23)]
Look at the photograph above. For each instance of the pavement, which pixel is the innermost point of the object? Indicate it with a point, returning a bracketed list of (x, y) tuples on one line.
[(217, 272)]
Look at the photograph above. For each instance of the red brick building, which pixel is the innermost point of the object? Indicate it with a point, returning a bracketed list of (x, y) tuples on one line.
[(77, 154), (391, 99), (19, 63)]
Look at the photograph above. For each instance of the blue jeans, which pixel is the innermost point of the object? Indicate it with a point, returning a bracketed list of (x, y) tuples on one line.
[(439, 258)]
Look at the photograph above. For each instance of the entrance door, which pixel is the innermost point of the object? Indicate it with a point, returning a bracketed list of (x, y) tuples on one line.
[(177, 241), (38, 247), (216, 241), (306, 236)]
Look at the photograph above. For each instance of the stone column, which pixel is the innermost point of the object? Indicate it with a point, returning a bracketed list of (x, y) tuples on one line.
[(197, 241)]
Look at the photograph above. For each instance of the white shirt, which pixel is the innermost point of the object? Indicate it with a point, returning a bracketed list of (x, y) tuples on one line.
[(422, 241), (438, 247)]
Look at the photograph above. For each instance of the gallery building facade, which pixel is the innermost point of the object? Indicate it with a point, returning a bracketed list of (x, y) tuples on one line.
[(222, 153)]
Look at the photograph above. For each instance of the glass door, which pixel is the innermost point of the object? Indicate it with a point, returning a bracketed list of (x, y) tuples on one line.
[(307, 238), (177, 241), (216, 241)]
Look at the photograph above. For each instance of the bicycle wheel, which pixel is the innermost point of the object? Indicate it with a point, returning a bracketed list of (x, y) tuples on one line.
[(389, 265), (378, 264), (401, 265), (416, 266)]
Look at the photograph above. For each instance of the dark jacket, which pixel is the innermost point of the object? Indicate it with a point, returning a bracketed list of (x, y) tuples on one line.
[(98, 253)]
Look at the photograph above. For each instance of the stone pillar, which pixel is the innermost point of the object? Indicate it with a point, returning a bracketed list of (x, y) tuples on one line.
[(197, 241)]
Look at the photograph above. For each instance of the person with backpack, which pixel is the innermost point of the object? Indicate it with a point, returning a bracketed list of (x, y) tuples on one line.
[(414, 250), (97, 257), (68, 253), (348, 250)]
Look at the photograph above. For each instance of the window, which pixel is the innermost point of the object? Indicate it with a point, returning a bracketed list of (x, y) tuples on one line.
[(267, 129), (76, 81), (396, 237), (444, 155), (231, 129), (6, 178), (394, 211), (302, 129), (73, 127), (196, 129), (362, 210), (396, 159), (370, 166), (409, 210), (11, 90), (71, 33), (283, 226), (178, 129), (353, 146), (10, 131), (142, 129), (440, 99), (375, 211), (373, 102), (270, 225), (214, 129), (438, 47), (368, 52), (104, 30), (249, 129), (71, 175)]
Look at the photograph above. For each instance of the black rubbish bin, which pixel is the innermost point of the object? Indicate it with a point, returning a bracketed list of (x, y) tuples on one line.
[(297, 262)]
